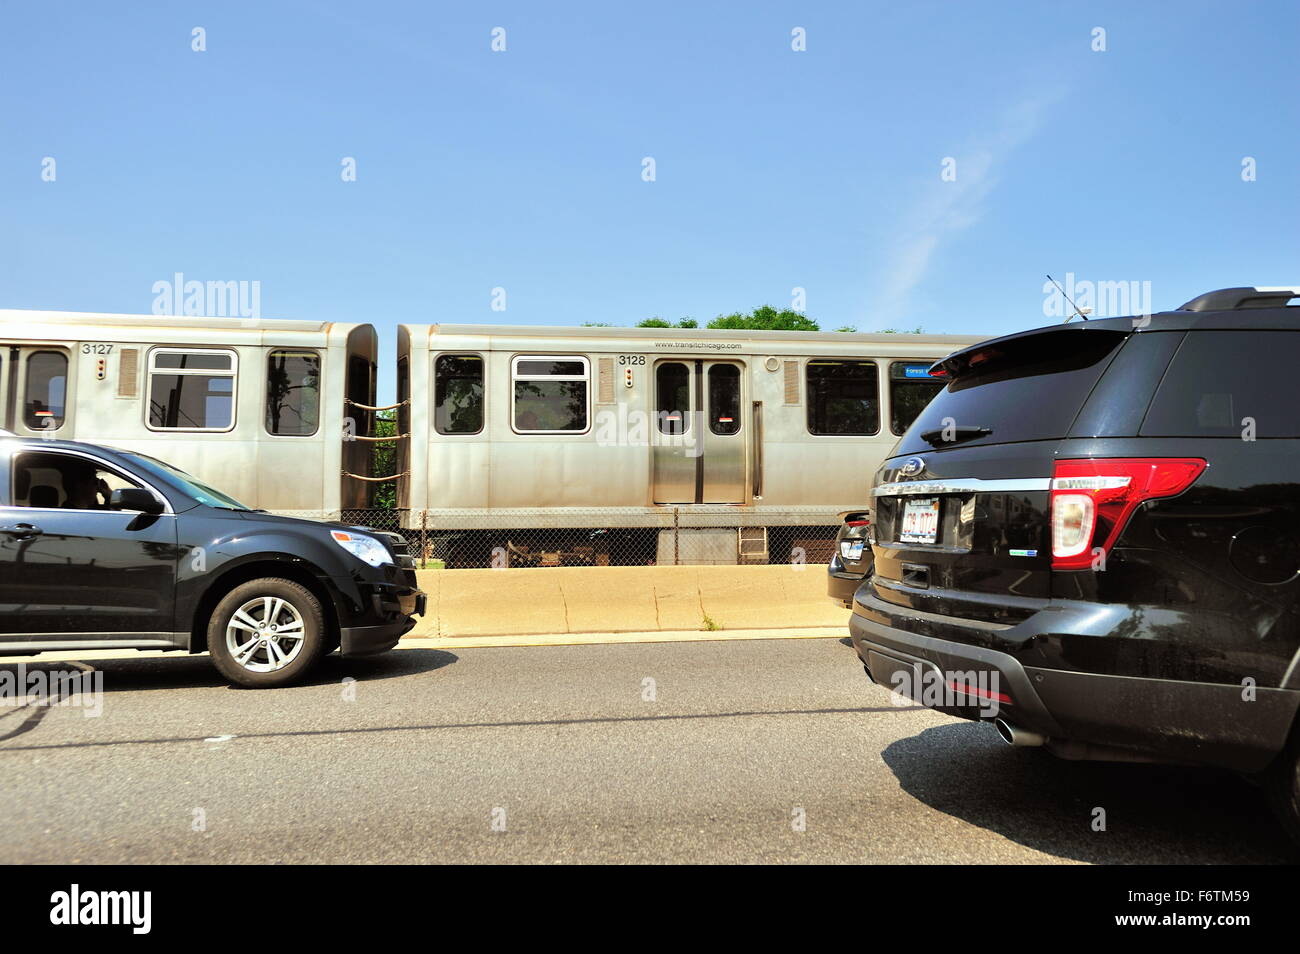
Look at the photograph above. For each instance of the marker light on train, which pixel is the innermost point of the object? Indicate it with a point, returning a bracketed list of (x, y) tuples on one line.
[(1092, 500), (364, 548)]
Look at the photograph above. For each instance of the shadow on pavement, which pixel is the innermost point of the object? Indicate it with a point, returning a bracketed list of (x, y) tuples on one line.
[(182, 670), (1154, 813)]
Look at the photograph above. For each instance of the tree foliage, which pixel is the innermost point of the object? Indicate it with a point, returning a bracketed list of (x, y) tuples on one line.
[(383, 457), (765, 318)]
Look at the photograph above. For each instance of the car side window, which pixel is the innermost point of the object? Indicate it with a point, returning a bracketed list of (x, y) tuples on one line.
[(1228, 384), (51, 481)]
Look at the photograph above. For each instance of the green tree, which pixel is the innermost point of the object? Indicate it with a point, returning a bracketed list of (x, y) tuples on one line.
[(765, 318), (655, 322), (383, 460)]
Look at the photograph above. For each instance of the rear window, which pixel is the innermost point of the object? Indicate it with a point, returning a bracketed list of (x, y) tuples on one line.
[(1026, 389), (1222, 382)]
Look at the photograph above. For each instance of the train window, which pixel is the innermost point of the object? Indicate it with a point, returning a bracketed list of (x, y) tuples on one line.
[(458, 394), (292, 393), (673, 394), (724, 399), (361, 394), (191, 390), (550, 394), (403, 396), (46, 391), (910, 389), (549, 367), (843, 397)]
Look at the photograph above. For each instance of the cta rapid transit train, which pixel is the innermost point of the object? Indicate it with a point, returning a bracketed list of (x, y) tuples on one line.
[(713, 435), (503, 433), (257, 409)]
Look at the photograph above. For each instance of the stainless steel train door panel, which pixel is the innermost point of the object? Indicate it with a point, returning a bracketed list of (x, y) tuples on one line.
[(675, 433), (723, 432), (36, 380), (699, 433)]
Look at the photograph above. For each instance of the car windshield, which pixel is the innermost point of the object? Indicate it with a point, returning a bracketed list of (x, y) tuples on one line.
[(194, 488)]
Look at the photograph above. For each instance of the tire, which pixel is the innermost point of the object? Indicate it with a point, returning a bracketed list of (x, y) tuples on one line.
[(279, 658)]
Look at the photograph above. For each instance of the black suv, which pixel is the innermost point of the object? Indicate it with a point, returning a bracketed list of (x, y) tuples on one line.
[(111, 549), (851, 559), (1092, 536)]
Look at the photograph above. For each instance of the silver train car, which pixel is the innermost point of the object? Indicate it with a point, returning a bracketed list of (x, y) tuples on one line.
[(276, 413), (721, 435)]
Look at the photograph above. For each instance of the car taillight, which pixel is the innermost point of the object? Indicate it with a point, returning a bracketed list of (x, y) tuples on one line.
[(855, 530), (1093, 499)]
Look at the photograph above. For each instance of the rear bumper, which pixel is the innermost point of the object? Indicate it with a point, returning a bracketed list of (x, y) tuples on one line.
[(842, 583), (1084, 714), (840, 587)]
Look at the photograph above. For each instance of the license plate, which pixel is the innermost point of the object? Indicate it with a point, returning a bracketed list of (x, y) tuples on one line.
[(851, 549), (920, 521)]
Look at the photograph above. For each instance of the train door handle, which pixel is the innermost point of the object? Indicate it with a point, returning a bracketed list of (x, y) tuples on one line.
[(22, 531)]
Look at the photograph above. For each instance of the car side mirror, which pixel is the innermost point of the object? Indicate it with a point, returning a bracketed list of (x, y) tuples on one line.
[(135, 498)]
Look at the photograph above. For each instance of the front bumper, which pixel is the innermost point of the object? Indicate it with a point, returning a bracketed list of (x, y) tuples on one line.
[(375, 613), (1084, 714), (389, 600), (369, 640)]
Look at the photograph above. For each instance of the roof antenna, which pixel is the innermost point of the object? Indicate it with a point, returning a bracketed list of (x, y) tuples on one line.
[(1082, 313)]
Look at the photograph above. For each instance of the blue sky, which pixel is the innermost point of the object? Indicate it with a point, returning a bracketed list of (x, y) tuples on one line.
[(522, 169)]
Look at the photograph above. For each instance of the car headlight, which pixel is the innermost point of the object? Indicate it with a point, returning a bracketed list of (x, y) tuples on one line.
[(364, 548)]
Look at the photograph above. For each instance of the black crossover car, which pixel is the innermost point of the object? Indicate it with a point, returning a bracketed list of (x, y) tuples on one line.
[(1092, 537), (109, 549), (851, 559)]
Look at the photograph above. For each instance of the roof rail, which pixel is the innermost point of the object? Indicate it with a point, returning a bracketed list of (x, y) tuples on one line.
[(1231, 299)]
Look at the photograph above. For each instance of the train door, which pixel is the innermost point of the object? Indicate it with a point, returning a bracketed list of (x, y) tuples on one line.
[(359, 425), (699, 444), (34, 379)]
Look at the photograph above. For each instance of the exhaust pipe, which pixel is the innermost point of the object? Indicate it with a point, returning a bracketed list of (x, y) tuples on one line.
[(1012, 735)]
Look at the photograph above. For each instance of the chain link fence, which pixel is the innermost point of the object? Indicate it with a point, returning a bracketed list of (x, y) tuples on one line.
[(476, 540)]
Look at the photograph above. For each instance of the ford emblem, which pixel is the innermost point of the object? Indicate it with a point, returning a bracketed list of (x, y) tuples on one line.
[(911, 467)]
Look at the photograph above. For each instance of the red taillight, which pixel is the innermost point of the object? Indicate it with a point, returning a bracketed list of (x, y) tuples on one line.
[(938, 372), (857, 523), (1093, 499)]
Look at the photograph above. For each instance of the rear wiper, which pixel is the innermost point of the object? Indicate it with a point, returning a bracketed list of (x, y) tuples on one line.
[(955, 434)]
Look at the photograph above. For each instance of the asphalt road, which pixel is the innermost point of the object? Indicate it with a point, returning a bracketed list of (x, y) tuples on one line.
[(578, 759)]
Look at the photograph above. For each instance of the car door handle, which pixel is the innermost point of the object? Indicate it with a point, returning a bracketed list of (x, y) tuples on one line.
[(22, 531)]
